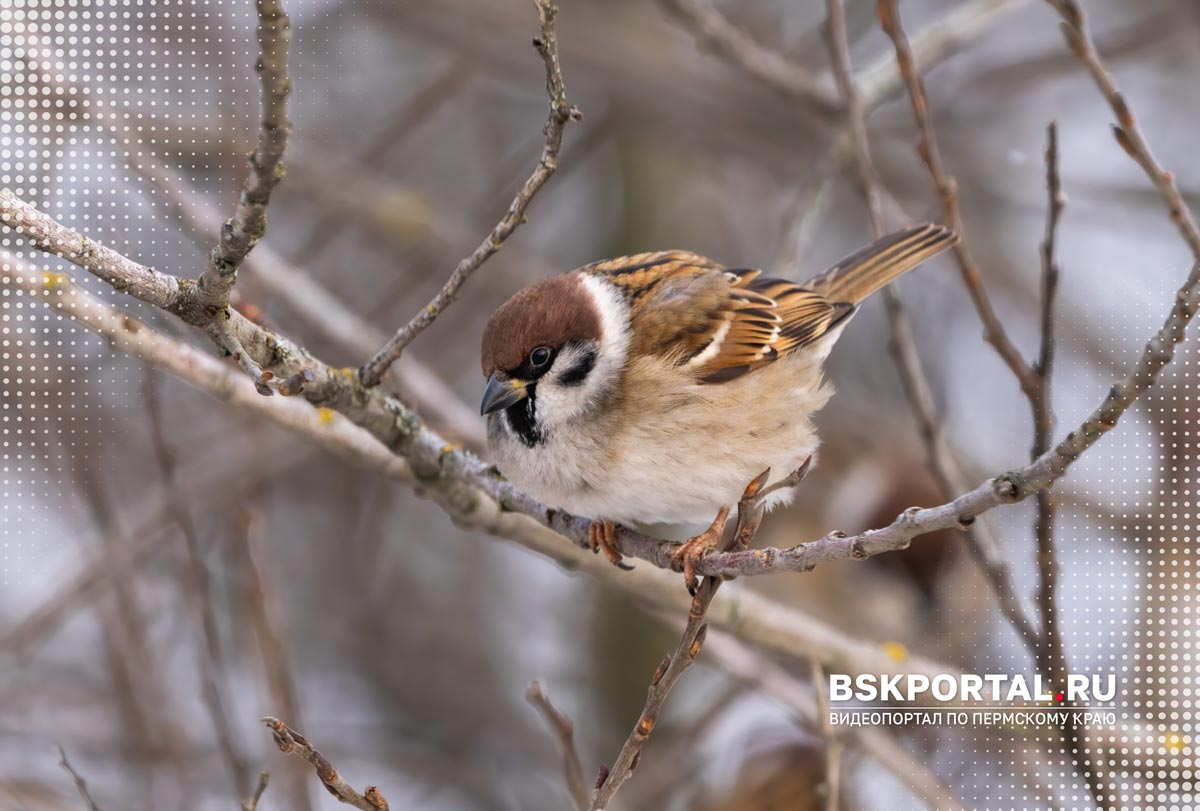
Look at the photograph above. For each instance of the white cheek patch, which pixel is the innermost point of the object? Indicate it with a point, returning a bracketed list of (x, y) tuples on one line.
[(614, 323), (560, 402)]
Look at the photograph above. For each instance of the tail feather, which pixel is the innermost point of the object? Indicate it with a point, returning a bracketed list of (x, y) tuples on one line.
[(863, 272)]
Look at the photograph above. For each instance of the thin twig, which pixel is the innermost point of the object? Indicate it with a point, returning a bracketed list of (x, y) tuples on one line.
[(292, 742), (773, 680), (947, 191), (712, 30), (1129, 136), (251, 804), (80, 783), (564, 733), (902, 346), (249, 222), (1051, 649), (750, 514), (942, 38), (561, 111)]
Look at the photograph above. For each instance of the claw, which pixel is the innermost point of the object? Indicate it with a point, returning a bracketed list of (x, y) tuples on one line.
[(692, 551), (602, 535)]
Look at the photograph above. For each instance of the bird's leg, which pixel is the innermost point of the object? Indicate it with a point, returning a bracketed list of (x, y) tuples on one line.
[(602, 535), (690, 552)]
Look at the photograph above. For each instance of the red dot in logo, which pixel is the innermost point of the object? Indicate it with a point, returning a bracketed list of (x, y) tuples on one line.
[(1058, 696)]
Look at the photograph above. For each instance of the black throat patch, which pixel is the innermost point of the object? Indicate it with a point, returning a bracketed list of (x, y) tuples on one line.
[(522, 418)]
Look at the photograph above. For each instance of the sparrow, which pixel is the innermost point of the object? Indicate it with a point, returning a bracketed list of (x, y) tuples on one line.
[(648, 390)]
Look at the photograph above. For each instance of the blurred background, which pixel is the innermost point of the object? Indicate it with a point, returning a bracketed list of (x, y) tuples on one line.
[(170, 570)]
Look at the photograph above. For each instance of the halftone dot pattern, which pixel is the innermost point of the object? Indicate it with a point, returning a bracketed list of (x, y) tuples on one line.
[(89, 89), (90, 92)]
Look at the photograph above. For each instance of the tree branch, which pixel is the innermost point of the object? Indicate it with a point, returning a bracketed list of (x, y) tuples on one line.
[(714, 31), (561, 111), (1051, 650), (750, 514), (916, 384), (1128, 134), (947, 191), (249, 222), (292, 742), (934, 44), (80, 783), (564, 733)]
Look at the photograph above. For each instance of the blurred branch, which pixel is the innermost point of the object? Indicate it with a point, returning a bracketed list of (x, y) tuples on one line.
[(947, 191), (78, 591), (877, 82), (712, 30), (564, 733), (750, 513), (292, 742), (916, 384), (934, 44), (80, 783), (249, 222), (251, 804), (833, 744), (198, 588), (1129, 136), (281, 685), (878, 743), (561, 111)]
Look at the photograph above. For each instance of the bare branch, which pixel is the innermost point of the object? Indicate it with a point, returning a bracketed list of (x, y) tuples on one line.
[(916, 384), (934, 44), (564, 733), (561, 111), (947, 191), (251, 804), (80, 783), (292, 742), (1128, 134), (1051, 650), (249, 221), (713, 31), (750, 514)]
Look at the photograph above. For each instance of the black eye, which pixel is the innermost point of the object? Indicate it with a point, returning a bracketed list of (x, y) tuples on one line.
[(540, 356)]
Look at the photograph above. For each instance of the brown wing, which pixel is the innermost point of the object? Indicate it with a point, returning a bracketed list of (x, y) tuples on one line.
[(721, 322)]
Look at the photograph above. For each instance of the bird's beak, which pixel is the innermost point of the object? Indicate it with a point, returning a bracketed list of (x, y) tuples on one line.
[(501, 392)]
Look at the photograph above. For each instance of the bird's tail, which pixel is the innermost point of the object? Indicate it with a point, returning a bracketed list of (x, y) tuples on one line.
[(863, 272)]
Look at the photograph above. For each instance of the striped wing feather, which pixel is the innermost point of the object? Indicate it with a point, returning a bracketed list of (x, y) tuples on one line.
[(719, 321)]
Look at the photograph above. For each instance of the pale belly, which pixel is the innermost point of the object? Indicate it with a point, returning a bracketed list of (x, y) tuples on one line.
[(668, 459)]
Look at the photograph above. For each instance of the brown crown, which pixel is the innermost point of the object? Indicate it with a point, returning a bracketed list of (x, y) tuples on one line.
[(548, 313)]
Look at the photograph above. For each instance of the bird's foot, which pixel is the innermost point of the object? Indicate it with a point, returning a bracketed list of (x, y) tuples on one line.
[(691, 551), (602, 535)]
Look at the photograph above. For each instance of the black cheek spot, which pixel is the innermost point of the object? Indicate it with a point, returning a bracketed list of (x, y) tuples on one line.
[(578, 372), (522, 417)]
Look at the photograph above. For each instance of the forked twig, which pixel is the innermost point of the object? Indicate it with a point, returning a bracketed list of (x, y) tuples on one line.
[(249, 222), (564, 733), (750, 514), (947, 191), (561, 111), (916, 383)]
